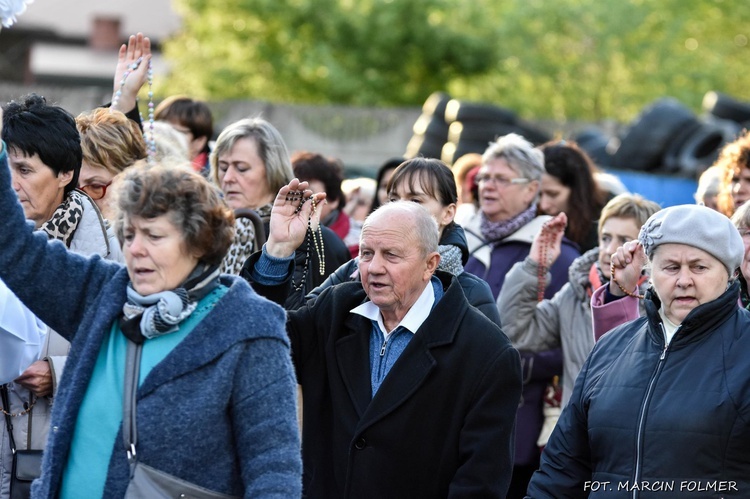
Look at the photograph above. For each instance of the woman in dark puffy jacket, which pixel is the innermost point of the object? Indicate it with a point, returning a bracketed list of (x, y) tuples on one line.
[(662, 404), (430, 182)]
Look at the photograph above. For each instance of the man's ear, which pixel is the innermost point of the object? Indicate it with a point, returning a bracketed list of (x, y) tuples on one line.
[(433, 259)]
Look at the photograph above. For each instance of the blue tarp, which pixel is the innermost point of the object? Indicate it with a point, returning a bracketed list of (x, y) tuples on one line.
[(666, 190)]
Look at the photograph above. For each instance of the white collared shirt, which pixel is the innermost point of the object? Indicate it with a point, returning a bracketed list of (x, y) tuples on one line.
[(413, 319)]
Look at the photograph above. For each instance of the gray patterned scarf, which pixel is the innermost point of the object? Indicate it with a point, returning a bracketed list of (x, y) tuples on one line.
[(145, 317), (450, 259)]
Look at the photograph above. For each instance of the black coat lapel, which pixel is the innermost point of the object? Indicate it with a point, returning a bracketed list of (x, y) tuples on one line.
[(353, 360), (405, 377)]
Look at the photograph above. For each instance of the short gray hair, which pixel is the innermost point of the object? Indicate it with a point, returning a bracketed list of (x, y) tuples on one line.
[(271, 149), (416, 220), (520, 154)]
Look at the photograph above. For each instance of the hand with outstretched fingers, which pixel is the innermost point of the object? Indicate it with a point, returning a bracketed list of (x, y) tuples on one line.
[(293, 209), (137, 48)]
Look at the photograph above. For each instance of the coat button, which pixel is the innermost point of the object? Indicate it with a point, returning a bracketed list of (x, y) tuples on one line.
[(360, 443)]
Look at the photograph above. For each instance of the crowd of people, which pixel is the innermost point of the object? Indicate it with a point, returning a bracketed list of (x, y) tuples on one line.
[(222, 318)]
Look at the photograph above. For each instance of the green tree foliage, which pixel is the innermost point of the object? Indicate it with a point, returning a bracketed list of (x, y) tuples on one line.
[(346, 51), (594, 59), (561, 59)]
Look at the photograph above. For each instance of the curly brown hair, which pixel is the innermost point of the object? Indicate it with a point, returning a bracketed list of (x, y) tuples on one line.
[(190, 202), (732, 159)]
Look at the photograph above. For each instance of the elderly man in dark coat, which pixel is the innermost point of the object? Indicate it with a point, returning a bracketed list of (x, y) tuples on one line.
[(408, 390)]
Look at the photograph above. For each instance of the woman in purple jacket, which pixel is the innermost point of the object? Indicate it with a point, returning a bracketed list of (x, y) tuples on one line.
[(499, 236)]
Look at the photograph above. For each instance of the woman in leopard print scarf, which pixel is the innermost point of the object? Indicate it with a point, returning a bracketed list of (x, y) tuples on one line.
[(44, 156), (250, 163)]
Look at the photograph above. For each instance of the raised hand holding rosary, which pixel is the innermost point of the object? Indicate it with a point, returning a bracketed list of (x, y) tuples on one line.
[(612, 278), (546, 237), (314, 237), (150, 141)]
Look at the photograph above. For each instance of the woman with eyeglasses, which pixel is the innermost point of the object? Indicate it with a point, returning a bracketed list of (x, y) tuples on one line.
[(110, 143), (499, 235), (501, 232)]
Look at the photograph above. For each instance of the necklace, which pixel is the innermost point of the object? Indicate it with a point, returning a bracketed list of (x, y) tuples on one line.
[(547, 234), (612, 278), (150, 140), (314, 239)]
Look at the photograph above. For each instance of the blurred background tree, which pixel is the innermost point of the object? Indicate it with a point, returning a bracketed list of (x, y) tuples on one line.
[(364, 52), (562, 60)]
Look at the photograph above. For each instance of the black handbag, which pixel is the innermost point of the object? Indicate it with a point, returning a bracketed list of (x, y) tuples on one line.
[(27, 464)]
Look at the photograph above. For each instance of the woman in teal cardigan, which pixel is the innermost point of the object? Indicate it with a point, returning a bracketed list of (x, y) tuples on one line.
[(216, 402)]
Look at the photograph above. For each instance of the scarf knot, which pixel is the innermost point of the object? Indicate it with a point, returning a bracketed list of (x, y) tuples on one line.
[(157, 314)]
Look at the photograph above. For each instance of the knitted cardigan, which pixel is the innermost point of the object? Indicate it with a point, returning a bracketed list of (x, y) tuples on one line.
[(218, 411)]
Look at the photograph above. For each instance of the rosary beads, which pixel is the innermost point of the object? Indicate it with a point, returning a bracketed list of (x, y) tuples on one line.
[(27, 408), (314, 238), (150, 140), (612, 278)]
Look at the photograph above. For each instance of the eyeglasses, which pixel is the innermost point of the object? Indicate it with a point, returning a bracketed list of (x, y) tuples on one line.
[(500, 181), (95, 191)]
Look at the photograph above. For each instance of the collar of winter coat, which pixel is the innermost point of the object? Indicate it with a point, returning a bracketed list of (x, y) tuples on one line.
[(578, 272), (702, 320), (453, 234), (482, 250), (91, 236)]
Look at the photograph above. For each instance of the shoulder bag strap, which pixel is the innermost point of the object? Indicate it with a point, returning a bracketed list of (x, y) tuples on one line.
[(8, 422), (484, 242), (129, 431)]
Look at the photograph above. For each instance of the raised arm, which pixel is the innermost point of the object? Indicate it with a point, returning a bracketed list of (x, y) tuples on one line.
[(610, 304), (137, 49), (55, 284), (270, 271), (529, 323), (627, 264), (292, 210), (547, 245)]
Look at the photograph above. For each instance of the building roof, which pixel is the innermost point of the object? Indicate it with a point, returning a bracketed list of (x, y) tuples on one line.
[(62, 44), (74, 18)]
